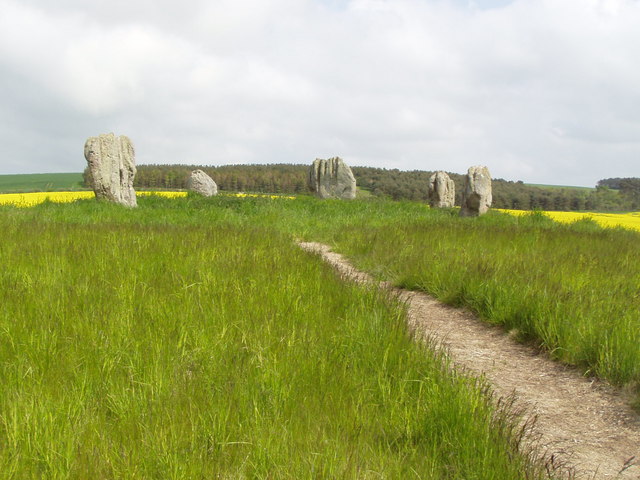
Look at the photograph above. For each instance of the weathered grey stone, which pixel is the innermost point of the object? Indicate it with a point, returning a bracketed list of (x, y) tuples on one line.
[(112, 168), (202, 183), (442, 191), (476, 199), (332, 179)]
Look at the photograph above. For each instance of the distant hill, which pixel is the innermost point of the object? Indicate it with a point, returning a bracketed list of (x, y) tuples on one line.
[(41, 182), (540, 185)]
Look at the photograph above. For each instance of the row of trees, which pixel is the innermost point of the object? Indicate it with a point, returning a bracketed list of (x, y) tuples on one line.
[(506, 194), (609, 194), (628, 188)]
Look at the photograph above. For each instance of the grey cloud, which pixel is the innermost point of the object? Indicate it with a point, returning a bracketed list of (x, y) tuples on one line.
[(544, 91)]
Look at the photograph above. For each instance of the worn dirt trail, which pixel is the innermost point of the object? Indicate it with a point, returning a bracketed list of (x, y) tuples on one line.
[(582, 422)]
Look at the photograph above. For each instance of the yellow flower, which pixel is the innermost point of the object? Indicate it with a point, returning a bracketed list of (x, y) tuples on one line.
[(627, 220), (256, 195), (31, 199), (166, 194)]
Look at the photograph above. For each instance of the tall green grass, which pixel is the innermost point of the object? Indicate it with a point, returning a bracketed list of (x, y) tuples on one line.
[(191, 339), (572, 289)]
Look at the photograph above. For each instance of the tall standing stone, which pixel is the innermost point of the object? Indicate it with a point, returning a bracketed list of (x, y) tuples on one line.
[(476, 198), (202, 183), (442, 191), (112, 167), (332, 179)]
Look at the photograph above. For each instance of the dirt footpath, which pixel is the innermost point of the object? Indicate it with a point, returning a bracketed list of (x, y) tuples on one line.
[(581, 422)]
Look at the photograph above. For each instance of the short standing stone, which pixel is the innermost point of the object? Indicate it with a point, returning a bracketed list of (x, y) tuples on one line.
[(112, 168), (332, 179), (202, 183), (442, 191), (476, 198)]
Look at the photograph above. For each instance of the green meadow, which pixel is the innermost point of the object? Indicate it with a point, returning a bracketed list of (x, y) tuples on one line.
[(192, 338), (556, 187), (40, 182), (571, 290)]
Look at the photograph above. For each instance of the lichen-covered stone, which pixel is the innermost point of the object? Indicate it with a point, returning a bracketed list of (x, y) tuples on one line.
[(442, 191), (476, 199), (332, 178), (112, 168), (202, 183)]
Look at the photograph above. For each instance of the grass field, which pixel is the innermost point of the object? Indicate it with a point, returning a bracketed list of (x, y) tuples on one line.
[(571, 289), (627, 220), (114, 319), (555, 187), (40, 182), (191, 338)]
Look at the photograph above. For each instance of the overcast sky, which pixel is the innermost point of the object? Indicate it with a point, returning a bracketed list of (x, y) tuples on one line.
[(544, 91)]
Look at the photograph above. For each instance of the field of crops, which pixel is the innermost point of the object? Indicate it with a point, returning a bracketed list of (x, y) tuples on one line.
[(115, 319), (35, 198), (629, 220)]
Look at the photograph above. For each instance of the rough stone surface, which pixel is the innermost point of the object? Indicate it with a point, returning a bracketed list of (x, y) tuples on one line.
[(112, 168), (476, 199), (442, 191), (332, 179), (202, 183)]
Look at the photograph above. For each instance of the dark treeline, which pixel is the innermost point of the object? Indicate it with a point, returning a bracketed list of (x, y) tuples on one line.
[(412, 185), (620, 183), (617, 195), (628, 189), (276, 178)]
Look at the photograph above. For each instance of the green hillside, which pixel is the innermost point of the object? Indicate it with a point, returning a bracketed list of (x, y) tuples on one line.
[(568, 187), (40, 182)]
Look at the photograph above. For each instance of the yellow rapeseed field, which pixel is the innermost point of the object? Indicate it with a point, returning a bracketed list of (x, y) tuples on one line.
[(627, 220), (244, 195), (31, 199)]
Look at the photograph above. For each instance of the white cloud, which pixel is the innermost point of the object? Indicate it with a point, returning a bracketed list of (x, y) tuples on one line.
[(539, 90)]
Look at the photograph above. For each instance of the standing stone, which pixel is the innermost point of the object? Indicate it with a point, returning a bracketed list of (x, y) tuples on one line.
[(332, 179), (476, 198), (112, 168), (202, 183), (442, 191)]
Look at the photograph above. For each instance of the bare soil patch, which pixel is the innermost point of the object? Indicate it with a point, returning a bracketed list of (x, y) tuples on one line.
[(580, 422)]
